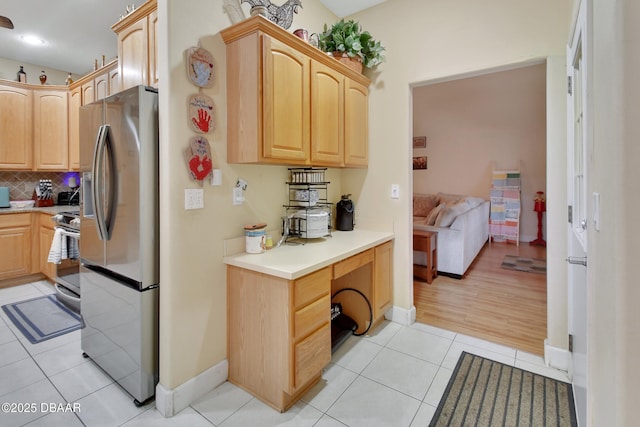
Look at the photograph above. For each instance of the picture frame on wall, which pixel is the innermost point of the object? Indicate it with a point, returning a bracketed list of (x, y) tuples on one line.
[(419, 142), (419, 162)]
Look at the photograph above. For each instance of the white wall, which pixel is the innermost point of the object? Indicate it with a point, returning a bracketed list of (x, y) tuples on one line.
[(476, 123), (612, 284), (193, 288)]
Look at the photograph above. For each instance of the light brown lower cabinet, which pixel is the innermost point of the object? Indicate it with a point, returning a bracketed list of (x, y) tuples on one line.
[(15, 245), (45, 237), (279, 333), (279, 330)]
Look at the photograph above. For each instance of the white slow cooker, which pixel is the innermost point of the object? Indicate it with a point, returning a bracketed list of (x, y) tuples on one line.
[(315, 223)]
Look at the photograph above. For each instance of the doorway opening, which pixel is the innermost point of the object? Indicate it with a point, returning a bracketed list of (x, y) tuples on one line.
[(473, 124)]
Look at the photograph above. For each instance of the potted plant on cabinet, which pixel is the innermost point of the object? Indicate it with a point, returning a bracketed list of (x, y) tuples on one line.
[(346, 41)]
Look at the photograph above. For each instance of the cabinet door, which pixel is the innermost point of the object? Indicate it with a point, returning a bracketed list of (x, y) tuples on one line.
[(88, 93), (286, 103), (153, 49), (133, 54), (46, 237), (114, 80), (15, 128), (101, 84), (75, 101), (327, 116), (15, 245), (383, 278), (356, 143), (50, 130)]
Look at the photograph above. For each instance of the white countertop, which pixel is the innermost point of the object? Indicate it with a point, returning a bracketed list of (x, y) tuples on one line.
[(44, 209), (293, 261)]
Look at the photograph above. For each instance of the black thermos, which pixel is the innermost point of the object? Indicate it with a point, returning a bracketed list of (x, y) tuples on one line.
[(345, 214)]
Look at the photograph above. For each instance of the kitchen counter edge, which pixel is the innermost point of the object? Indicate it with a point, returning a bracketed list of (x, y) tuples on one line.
[(294, 261), (43, 209)]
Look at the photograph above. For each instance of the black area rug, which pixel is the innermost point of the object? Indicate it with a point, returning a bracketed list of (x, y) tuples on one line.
[(482, 392), (529, 265), (42, 318)]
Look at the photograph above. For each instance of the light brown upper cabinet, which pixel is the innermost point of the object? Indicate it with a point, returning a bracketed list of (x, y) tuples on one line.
[(289, 103), (327, 121), (137, 46), (75, 101), (356, 133), (50, 129), (16, 140)]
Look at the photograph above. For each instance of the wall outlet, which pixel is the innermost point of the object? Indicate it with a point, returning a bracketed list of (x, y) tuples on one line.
[(395, 191), (193, 198)]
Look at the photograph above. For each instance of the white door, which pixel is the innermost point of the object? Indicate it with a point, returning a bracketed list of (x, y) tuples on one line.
[(577, 158)]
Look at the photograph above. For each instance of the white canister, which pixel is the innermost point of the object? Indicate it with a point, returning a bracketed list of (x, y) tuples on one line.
[(254, 241)]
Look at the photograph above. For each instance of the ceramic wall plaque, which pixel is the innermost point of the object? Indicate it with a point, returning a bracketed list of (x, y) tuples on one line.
[(200, 66), (201, 113)]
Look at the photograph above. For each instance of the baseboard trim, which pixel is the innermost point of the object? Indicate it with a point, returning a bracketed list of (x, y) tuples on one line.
[(402, 316), (555, 357), (171, 401)]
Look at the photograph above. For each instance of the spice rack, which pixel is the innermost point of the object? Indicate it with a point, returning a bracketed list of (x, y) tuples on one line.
[(308, 211)]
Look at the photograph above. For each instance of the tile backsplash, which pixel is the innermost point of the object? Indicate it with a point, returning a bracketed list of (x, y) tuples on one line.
[(22, 183)]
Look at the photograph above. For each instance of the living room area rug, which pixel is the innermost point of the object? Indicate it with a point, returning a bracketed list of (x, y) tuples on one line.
[(482, 392), (529, 265), (42, 318)]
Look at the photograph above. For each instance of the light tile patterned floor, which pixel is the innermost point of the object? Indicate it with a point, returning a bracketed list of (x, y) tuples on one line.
[(394, 377)]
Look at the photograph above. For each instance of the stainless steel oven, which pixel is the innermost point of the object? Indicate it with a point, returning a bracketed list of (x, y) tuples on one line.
[(67, 229)]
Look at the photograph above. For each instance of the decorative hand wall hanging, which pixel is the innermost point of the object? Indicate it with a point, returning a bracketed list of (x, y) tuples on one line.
[(201, 113), (200, 66), (281, 15), (199, 160)]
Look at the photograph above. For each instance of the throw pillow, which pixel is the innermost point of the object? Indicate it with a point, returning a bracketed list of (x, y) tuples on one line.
[(450, 213), (449, 198), (423, 204), (431, 218), (474, 201)]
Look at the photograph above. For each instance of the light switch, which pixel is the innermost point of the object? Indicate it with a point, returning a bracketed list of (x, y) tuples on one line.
[(395, 191), (596, 211), (216, 177), (238, 196)]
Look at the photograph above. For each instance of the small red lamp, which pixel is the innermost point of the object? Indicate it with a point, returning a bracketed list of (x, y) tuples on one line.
[(539, 206)]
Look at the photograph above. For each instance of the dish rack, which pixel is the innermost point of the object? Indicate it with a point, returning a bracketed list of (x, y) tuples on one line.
[(308, 212)]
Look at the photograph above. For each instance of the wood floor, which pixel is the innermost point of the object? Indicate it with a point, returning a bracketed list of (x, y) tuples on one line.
[(503, 306)]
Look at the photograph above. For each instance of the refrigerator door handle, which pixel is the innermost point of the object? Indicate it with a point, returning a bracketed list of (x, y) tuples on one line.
[(112, 176), (96, 183)]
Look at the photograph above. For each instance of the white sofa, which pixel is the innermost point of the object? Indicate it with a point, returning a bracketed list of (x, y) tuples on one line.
[(462, 223)]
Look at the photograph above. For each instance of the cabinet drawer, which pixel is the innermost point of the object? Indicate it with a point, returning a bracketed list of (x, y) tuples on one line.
[(15, 220), (312, 316), (352, 263), (312, 354), (311, 287)]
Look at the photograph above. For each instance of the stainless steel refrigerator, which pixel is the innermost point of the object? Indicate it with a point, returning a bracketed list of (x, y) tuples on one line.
[(119, 248)]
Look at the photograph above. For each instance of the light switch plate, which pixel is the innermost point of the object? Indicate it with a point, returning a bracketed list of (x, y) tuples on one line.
[(193, 198), (395, 191), (216, 177), (238, 196)]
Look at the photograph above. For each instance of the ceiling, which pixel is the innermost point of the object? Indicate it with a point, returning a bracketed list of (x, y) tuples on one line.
[(343, 8), (78, 32)]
